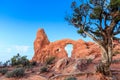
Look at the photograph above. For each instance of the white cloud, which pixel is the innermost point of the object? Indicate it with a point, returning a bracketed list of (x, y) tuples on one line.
[(22, 48), (9, 50), (15, 49), (6, 52)]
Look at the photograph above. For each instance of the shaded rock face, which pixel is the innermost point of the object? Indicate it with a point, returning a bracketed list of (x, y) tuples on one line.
[(70, 65), (43, 48), (117, 46)]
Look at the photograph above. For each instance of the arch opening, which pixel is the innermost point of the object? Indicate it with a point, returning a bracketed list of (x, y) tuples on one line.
[(69, 48)]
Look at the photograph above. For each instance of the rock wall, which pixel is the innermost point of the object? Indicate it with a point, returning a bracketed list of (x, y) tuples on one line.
[(43, 48)]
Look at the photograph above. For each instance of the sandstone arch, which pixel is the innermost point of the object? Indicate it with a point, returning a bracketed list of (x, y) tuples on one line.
[(43, 48)]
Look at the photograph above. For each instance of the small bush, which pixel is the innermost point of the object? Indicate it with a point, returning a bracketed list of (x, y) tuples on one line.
[(115, 53), (43, 69), (3, 70), (70, 78), (89, 61), (33, 63), (9, 74), (19, 61), (18, 72), (24, 61), (49, 60)]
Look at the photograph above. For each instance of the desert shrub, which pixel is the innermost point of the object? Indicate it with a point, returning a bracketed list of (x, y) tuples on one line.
[(33, 63), (43, 69), (115, 53), (3, 70), (9, 74), (19, 61), (30, 65), (15, 60), (18, 72), (49, 60), (116, 61), (24, 61), (89, 61), (70, 78)]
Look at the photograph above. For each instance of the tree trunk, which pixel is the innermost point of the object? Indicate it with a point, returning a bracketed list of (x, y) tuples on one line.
[(104, 65)]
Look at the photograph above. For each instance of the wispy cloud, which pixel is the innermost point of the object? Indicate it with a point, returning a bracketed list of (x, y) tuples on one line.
[(22, 48), (16, 49), (6, 52), (9, 50)]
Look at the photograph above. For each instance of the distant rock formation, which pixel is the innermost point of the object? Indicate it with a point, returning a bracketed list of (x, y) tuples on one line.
[(43, 48), (40, 42)]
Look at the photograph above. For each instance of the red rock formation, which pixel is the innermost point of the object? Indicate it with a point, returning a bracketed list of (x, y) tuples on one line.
[(40, 42), (43, 48), (116, 46)]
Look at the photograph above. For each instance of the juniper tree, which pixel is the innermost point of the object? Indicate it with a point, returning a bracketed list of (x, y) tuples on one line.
[(100, 20)]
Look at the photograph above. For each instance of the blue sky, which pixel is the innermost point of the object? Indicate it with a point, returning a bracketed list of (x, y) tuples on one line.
[(20, 20)]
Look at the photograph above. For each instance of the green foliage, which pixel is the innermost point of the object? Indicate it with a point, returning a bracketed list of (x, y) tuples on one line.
[(49, 60), (115, 4), (18, 72), (33, 63), (96, 13), (80, 31), (99, 20), (43, 69), (3, 70), (9, 74), (89, 61), (24, 61), (14, 60), (117, 18), (70, 78), (19, 61), (115, 53)]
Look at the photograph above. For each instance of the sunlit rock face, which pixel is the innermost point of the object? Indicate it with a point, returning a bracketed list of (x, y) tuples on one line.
[(40, 42), (43, 48)]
